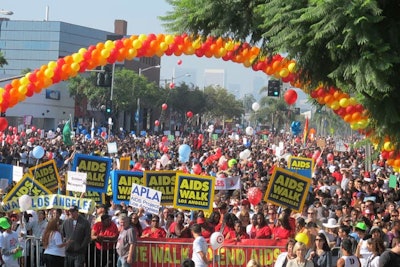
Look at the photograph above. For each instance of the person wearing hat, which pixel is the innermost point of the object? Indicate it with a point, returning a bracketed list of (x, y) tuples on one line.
[(362, 251), (331, 231), (77, 229), (10, 247), (101, 209), (104, 234)]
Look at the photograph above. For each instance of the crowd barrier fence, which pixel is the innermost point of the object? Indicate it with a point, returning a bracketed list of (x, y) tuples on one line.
[(165, 252)]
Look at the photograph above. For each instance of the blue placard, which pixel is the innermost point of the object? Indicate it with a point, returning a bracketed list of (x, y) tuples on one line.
[(6, 172), (122, 184), (97, 169)]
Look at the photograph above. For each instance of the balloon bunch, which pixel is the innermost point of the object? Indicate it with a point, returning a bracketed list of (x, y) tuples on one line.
[(295, 127), (142, 45), (163, 145), (343, 105)]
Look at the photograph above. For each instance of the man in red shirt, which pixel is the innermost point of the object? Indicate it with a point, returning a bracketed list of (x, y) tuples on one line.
[(105, 234)]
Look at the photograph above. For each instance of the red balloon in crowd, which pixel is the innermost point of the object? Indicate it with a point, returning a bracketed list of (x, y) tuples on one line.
[(164, 139), (137, 167), (32, 140), (320, 161), (33, 128), (254, 195), (165, 149), (157, 123), (330, 157), (97, 142), (10, 128), (189, 114), (290, 96), (197, 169), (3, 124), (164, 106)]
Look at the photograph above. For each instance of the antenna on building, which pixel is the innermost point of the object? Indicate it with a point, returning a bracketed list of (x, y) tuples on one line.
[(47, 14)]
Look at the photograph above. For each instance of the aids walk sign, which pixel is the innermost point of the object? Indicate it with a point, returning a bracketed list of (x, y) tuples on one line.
[(122, 182), (302, 166), (47, 174), (97, 169), (194, 192), (27, 186), (163, 181), (287, 189)]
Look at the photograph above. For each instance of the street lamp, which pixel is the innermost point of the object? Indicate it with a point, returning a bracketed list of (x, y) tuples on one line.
[(138, 99)]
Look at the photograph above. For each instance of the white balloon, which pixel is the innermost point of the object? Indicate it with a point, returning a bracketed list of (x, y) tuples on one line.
[(246, 153), (249, 130), (216, 240), (255, 106), (25, 203), (164, 160)]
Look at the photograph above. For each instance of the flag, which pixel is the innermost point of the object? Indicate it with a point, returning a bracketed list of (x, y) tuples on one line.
[(305, 132), (67, 134)]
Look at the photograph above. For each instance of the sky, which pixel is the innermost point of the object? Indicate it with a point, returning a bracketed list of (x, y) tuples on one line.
[(142, 18)]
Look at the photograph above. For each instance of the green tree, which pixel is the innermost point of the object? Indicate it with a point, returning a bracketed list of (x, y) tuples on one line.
[(220, 103), (3, 61), (352, 45)]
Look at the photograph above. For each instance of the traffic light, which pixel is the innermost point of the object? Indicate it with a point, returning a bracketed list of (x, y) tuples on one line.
[(108, 106), (100, 79), (104, 77), (274, 88)]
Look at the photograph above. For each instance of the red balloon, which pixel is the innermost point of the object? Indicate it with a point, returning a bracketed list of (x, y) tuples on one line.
[(254, 195), (290, 96), (10, 128), (137, 167), (189, 114), (197, 169), (329, 157), (97, 142), (171, 85), (320, 161), (33, 128), (164, 139), (3, 123), (165, 149), (156, 123), (179, 62), (103, 134), (164, 106)]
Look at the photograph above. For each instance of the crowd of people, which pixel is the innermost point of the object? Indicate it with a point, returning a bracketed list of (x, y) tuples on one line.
[(350, 205)]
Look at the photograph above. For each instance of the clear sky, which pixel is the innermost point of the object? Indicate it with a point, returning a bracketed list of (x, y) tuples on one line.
[(142, 17)]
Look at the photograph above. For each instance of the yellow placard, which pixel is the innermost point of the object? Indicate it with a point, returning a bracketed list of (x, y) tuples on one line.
[(47, 174), (163, 181), (287, 189), (27, 186)]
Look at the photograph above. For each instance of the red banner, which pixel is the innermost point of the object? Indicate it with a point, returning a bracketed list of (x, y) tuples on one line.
[(172, 252)]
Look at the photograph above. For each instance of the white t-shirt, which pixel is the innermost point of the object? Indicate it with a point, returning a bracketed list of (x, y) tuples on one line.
[(373, 261), (199, 244), (53, 248)]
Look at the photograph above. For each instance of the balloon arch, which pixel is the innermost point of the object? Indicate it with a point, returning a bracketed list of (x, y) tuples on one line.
[(165, 44)]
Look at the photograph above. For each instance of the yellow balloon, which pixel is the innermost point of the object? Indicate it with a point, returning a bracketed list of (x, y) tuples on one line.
[(292, 67), (77, 57), (335, 105), (137, 44), (344, 102), (109, 44), (142, 37), (388, 146), (51, 65), (49, 73), (284, 72)]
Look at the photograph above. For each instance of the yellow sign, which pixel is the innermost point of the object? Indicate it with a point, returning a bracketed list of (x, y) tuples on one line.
[(124, 163), (194, 192), (306, 165), (287, 189), (27, 186), (122, 184), (47, 174), (163, 181)]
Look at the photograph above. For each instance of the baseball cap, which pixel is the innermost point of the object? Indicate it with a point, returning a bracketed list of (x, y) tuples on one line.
[(361, 226), (4, 223)]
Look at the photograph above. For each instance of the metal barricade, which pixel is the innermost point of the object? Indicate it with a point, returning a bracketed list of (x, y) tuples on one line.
[(102, 258), (32, 250)]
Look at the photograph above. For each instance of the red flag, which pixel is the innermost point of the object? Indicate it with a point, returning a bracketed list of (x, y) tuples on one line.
[(305, 132)]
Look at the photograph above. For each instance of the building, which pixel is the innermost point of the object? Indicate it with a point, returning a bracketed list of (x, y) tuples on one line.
[(214, 77), (27, 45)]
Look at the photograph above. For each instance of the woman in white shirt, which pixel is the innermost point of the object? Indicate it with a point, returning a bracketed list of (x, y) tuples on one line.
[(54, 252)]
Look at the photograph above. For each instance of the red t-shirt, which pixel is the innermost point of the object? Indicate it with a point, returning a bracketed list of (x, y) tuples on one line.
[(110, 231), (154, 233), (263, 232), (184, 233), (281, 233), (232, 235)]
